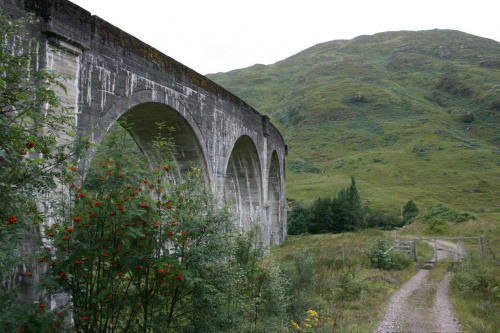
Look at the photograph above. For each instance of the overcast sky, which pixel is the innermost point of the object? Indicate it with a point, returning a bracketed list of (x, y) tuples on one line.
[(213, 36)]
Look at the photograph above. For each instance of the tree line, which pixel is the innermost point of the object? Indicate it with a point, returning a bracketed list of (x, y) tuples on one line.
[(344, 213)]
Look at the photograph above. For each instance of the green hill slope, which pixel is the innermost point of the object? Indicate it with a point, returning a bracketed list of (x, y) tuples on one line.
[(411, 115)]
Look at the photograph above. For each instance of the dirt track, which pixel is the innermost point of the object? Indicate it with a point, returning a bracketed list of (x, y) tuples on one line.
[(409, 308)]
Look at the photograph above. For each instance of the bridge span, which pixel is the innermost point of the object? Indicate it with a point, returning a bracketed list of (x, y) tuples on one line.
[(113, 74)]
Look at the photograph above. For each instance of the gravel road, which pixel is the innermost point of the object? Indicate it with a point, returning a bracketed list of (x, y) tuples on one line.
[(408, 310)]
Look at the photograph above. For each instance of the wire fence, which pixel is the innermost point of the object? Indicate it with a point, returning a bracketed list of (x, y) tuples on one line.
[(336, 255), (493, 245), (351, 254), (456, 247), (348, 254)]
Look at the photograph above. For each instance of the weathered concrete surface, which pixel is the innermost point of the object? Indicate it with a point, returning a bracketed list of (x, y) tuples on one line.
[(113, 74)]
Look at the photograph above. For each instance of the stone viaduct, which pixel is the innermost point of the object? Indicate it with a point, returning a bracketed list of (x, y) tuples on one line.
[(113, 74)]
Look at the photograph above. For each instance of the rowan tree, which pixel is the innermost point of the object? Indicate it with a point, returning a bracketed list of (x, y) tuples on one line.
[(32, 162)]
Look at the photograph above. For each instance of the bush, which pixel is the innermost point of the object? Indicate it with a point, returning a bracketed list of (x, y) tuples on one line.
[(292, 115), (302, 282), (455, 87), (435, 228), (471, 275), (348, 286), (421, 150), (410, 211), (380, 256), (299, 218), (339, 165), (378, 219), (297, 225), (300, 166), (271, 304), (440, 213), (467, 117)]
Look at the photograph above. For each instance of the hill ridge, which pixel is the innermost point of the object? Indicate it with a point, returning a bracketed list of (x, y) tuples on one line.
[(410, 114)]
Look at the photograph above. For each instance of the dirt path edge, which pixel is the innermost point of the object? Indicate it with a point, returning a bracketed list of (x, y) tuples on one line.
[(393, 320)]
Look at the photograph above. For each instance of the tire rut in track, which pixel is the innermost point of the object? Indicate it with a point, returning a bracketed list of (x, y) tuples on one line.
[(421, 305)]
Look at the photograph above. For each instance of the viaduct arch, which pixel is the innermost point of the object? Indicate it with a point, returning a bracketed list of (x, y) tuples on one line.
[(114, 74)]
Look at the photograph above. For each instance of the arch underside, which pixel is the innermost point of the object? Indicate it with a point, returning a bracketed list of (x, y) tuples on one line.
[(142, 123), (273, 200), (242, 184)]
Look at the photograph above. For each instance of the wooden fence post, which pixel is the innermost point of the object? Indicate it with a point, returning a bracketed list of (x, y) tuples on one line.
[(435, 250), (482, 247), (343, 255), (490, 248)]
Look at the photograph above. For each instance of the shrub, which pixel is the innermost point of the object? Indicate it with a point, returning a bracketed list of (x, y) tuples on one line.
[(392, 221), (374, 219), (339, 165), (297, 225), (410, 211), (300, 166), (435, 227), (299, 218), (386, 221), (302, 283), (381, 256), (313, 322), (348, 285), (440, 213), (272, 300), (292, 115), (455, 87), (471, 275), (355, 98), (421, 150), (467, 117)]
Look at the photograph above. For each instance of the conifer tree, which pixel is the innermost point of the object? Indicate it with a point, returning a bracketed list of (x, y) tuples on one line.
[(351, 207), (410, 211), (329, 218)]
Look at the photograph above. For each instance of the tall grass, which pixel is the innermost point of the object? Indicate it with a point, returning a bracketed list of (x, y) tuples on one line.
[(475, 294), (345, 292)]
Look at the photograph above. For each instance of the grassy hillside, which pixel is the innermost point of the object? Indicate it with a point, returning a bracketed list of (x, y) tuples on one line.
[(411, 115)]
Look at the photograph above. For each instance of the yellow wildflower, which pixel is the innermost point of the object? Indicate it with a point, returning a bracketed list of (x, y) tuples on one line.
[(294, 324), (312, 313)]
